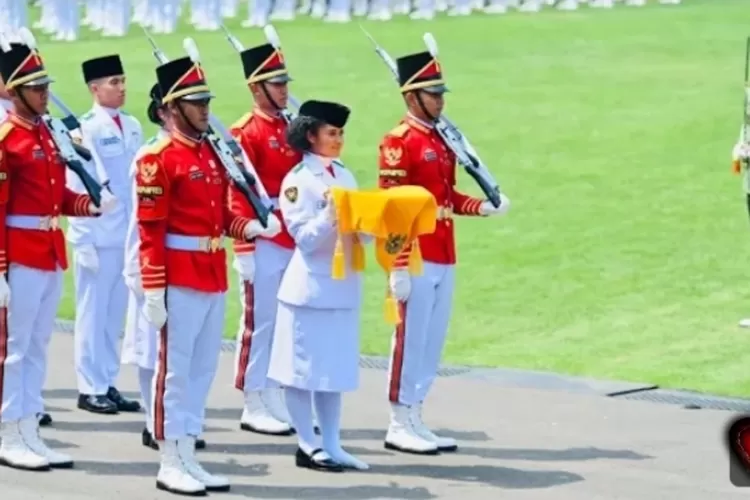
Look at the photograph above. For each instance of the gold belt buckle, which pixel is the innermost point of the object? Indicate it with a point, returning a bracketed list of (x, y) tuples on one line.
[(445, 212), (214, 243)]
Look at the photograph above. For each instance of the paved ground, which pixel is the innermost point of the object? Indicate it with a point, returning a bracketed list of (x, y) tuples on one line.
[(515, 443)]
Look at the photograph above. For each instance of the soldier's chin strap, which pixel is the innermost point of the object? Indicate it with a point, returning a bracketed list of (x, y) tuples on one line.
[(19, 93), (423, 107), (268, 96), (187, 120)]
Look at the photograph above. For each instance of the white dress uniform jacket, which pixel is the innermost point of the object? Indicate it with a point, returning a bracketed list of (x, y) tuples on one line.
[(113, 151), (5, 107), (316, 339)]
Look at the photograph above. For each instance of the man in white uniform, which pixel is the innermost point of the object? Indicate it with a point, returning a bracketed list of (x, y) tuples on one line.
[(113, 137)]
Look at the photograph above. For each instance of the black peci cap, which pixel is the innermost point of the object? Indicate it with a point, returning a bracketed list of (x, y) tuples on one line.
[(102, 67), (331, 113), (154, 104)]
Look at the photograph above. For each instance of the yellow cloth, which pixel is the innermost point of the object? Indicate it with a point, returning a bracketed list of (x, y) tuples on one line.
[(395, 217)]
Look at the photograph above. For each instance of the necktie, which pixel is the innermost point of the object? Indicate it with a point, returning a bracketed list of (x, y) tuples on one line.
[(330, 170), (117, 121)]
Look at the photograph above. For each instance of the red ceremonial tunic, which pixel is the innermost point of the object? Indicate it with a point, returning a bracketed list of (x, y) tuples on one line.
[(183, 192), (33, 196), (414, 154), (263, 137)]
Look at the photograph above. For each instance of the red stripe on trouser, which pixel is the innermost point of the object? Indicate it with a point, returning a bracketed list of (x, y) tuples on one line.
[(3, 351), (161, 386), (397, 362), (247, 336)]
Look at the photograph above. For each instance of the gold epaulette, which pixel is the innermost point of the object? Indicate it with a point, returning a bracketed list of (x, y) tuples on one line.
[(5, 129), (158, 146), (400, 130), (242, 121)]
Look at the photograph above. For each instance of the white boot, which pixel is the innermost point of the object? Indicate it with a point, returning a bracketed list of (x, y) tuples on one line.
[(173, 476), (29, 429), (402, 436), (257, 418), (274, 400), (14, 452), (186, 450), (443, 443)]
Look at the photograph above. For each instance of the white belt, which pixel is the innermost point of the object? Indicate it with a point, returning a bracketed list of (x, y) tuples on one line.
[(208, 244), (35, 222), (444, 213)]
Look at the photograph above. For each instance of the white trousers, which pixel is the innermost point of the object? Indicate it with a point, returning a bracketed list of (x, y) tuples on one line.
[(417, 343), (188, 354), (258, 319), (101, 304), (24, 339)]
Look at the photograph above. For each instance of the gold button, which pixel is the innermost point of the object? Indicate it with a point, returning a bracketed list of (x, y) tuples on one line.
[(56, 207), (52, 181), (213, 204), (216, 227)]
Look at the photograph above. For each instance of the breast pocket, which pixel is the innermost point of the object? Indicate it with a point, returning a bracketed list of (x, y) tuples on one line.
[(109, 147)]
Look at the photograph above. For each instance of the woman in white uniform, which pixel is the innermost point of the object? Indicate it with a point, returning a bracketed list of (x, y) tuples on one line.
[(315, 351), (139, 343)]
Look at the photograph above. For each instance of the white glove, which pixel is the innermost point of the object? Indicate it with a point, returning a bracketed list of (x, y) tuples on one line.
[(399, 282), (155, 308), (487, 208), (329, 210), (134, 284), (86, 256), (108, 203), (254, 228), (741, 151), (4, 292), (245, 265)]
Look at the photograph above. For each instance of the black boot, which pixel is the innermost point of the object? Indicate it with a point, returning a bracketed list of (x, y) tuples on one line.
[(123, 405)]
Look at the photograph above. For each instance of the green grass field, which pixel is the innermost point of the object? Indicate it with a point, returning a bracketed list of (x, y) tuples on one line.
[(623, 255)]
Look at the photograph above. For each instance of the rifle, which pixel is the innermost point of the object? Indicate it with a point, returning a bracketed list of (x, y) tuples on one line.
[(465, 153), (71, 153), (273, 38), (231, 158)]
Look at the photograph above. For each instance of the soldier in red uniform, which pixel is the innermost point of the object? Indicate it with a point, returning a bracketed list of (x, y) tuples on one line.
[(183, 215), (33, 196), (414, 153), (261, 264)]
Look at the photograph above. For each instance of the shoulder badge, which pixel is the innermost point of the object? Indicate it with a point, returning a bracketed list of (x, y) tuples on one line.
[(151, 141), (159, 146), (243, 121), (400, 130), (291, 194), (147, 171), (299, 167), (87, 116), (123, 112), (392, 156), (5, 129)]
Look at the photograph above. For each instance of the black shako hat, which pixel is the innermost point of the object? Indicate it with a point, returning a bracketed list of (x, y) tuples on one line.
[(420, 71), (22, 66), (331, 113), (102, 67), (182, 79), (264, 63)]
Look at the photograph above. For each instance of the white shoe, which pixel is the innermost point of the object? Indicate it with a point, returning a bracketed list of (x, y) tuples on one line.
[(602, 4), (744, 323), (29, 430), (275, 402), (495, 8), (15, 453), (337, 17), (422, 15), (464, 10), (401, 435), (186, 450), (568, 5), (443, 443), (256, 418), (635, 3), (173, 475), (318, 10), (529, 6), (347, 460), (380, 15)]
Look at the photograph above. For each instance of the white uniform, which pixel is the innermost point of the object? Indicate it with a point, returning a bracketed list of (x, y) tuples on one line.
[(5, 107), (315, 351), (101, 294), (139, 344)]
